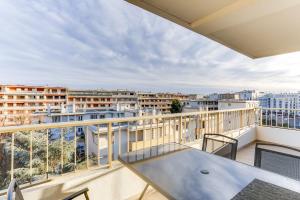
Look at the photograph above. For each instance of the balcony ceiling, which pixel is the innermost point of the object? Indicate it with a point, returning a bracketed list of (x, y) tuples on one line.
[(256, 28)]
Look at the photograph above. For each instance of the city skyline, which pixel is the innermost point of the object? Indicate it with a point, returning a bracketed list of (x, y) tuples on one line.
[(114, 45)]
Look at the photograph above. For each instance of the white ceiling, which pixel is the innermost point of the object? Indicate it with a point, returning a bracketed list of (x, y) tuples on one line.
[(256, 28)]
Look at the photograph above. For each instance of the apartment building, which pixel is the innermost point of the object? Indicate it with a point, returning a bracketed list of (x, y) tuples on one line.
[(20, 104), (281, 101), (159, 101), (84, 100), (230, 104), (249, 94), (221, 96), (195, 96), (200, 105)]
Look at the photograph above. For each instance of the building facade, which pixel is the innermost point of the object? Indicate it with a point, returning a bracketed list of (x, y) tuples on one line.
[(200, 105), (237, 104), (85, 100), (159, 101), (221, 96), (281, 101), (20, 104), (249, 94)]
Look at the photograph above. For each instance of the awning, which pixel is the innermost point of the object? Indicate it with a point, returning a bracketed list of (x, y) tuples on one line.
[(256, 28)]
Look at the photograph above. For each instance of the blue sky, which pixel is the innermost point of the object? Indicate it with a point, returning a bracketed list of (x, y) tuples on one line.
[(112, 44)]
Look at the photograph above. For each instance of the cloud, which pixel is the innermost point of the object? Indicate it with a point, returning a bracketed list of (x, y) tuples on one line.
[(113, 44)]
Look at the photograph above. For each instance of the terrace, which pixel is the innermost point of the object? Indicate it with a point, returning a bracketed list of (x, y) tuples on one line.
[(51, 161)]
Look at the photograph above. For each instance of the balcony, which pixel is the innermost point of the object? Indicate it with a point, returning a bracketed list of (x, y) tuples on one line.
[(52, 160)]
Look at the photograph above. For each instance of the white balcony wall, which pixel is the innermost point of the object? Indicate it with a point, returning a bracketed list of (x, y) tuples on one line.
[(288, 137), (117, 184)]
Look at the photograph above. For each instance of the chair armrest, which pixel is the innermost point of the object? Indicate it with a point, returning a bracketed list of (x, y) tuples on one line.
[(76, 194)]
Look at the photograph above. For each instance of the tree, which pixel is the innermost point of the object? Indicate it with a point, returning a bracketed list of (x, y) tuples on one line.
[(23, 118), (2, 121), (176, 106)]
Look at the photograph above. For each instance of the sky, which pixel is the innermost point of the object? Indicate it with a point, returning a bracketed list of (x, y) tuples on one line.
[(111, 44)]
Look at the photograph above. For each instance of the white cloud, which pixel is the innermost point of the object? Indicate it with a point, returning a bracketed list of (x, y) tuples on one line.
[(112, 44)]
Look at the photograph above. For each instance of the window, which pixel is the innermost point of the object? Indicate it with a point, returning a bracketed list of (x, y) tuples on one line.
[(94, 116), (102, 116), (56, 119)]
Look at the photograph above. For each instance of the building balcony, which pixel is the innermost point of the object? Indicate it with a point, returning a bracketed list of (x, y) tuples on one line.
[(54, 160)]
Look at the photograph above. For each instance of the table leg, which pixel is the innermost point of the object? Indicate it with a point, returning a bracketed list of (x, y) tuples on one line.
[(144, 191)]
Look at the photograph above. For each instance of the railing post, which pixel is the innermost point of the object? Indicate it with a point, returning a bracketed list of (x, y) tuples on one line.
[(241, 119), (62, 149), (136, 136), (128, 137), (87, 146), (12, 156), (276, 123), (119, 139), (218, 123), (185, 131), (109, 145), (75, 148), (294, 119), (174, 130), (271, 118), (47, 152), (98, 145), (288, 118), (261, 111), (151, 134), (169, 137), (30, 157), (163, 132), (282, 118), (180, 130)]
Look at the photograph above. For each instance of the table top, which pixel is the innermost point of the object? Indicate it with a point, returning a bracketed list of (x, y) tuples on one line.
[(181, 172)]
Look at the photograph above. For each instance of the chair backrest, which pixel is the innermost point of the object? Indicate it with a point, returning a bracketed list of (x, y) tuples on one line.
[(13, 188), (221, 145), (277, 158)]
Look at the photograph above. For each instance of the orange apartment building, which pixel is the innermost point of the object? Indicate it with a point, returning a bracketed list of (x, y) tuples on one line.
[(84, 100), (20, 104), (159, 101)]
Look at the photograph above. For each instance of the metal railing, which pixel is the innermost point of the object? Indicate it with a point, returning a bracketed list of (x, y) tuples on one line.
[(34, 152), (280, 118)]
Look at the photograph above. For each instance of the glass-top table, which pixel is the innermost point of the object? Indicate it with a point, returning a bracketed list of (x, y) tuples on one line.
[(181, 172)]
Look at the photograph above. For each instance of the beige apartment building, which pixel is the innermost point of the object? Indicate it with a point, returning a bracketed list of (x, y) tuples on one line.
[(159, 101), (20, 104), (84, 100)]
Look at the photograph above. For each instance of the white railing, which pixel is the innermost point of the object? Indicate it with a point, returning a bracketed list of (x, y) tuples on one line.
[(280, 118), (35, 152)]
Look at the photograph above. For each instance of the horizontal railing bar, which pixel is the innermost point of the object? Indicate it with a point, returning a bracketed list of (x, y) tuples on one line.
[(290, 109), (11, 129)]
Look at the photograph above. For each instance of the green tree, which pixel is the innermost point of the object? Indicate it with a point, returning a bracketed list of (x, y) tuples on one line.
[(176, 106)]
